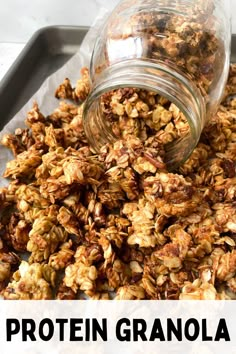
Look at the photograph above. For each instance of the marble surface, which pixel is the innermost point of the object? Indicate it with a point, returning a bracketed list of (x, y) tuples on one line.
[(20, 19), (8, 53)]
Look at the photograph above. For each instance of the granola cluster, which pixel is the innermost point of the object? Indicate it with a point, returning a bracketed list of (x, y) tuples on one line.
[(118, 224), (150, 117)]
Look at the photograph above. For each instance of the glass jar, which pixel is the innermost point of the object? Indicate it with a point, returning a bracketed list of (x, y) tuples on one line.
[(179, 49)]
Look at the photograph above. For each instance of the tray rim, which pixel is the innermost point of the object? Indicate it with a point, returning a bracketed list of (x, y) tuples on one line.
[(34, 38), (14, 68), (36, 35)]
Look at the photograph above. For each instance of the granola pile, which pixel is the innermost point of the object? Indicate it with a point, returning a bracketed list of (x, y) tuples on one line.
[(118, 224)]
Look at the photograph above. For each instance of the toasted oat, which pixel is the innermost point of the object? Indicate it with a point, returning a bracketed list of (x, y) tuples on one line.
[(31, 282), (118, 221), (64, 90)]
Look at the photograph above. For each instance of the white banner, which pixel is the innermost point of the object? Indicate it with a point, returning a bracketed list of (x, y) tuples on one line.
[(98, 327)]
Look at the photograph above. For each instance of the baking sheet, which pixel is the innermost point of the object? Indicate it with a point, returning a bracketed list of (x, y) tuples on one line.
[(29, 72), (29, 80), (45, 94), (47, 51)]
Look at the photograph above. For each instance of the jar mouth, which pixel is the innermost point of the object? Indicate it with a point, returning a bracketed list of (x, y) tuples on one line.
[(153, 76)]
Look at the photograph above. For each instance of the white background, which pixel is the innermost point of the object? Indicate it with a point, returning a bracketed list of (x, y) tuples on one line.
[(19, 19), (212, 311)]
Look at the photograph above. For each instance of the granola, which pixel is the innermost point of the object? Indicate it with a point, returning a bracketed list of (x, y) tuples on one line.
[(117, 224), (143, 114), (189, 43)]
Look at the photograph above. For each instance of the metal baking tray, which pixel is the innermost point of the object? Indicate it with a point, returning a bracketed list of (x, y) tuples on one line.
[(47, 51)]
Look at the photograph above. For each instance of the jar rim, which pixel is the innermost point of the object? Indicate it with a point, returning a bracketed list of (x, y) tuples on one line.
[(158, 77)]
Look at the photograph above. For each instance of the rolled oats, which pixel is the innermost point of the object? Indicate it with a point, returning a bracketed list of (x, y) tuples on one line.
[(118, 221)]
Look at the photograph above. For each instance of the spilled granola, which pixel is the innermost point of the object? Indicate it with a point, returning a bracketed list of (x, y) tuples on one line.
[(118, 224)]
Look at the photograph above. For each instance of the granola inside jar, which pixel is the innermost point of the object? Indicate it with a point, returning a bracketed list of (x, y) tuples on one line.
[(170, 58)]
